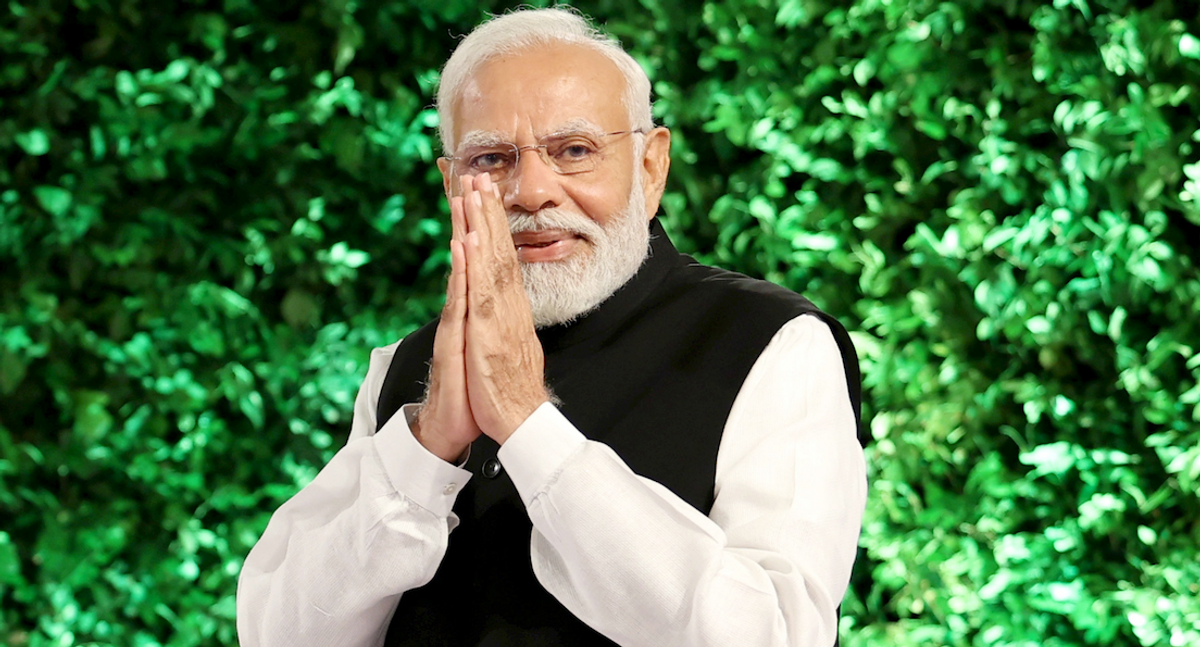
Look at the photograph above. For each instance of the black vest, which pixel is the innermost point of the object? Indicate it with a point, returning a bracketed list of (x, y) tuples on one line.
[(652, 373)]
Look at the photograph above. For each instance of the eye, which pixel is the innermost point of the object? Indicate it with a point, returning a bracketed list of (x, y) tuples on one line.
[(488, 159), (572, 150)]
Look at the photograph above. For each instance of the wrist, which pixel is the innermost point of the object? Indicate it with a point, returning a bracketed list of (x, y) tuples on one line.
[(517, 416), (438, 445)]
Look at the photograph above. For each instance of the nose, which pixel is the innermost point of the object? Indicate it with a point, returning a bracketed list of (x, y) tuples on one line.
[(533, 185)]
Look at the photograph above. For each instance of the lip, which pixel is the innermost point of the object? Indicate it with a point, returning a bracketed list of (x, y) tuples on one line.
[(545, 246)]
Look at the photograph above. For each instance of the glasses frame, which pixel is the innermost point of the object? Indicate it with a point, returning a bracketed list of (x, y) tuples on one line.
[(541, 149)]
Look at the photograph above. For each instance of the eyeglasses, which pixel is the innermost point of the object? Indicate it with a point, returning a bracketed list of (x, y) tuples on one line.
[(565, 153)]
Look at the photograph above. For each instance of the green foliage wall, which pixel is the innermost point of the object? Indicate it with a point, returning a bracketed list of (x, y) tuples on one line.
[(211, 211)]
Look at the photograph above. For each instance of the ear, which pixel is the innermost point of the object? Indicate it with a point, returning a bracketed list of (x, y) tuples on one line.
[(444, 167), (655, 164)]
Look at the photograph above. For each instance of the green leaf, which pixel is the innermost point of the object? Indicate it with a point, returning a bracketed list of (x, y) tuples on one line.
[(1051, 458), (35, 142), (1189, 46), (818, 242), (864, 70), (92, 419), (56, 200), (12, 371)]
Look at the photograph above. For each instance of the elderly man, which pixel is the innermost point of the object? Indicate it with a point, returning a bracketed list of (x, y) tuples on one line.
[(600, 441)]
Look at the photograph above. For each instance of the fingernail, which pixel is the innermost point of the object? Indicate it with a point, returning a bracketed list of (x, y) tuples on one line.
[(478, 198)]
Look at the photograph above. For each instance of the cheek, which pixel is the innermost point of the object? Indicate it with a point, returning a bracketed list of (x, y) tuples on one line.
[(602, 201)]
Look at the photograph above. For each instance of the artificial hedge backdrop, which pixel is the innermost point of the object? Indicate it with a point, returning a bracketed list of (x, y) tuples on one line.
[(211, 210)]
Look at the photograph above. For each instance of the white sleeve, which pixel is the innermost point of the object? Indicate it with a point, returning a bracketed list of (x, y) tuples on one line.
[(771, 562), (374, 523)]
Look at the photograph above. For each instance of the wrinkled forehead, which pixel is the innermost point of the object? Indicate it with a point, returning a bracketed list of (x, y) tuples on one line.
[(528, 95)]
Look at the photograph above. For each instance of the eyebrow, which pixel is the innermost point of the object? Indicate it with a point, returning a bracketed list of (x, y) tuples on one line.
[(495, 137), (482, 138), (578, 125)]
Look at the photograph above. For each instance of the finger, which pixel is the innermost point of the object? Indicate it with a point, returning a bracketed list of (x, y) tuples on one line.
[(473, 208), (475, 240), (479, 275), (449, 337), (457, 267), (458, 220), (456, 290), (494, 216), (449, 342)]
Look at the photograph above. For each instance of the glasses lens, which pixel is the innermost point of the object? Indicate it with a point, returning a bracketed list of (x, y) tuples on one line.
[(496, 161), (572, 153)]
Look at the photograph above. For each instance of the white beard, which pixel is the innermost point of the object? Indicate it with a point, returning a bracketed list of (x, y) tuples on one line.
[(561, 291)]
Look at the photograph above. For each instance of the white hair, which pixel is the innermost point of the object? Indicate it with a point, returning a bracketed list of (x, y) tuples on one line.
[(523, 29)]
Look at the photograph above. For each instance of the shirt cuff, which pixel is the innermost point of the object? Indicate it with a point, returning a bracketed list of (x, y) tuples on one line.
[(535, 452), (414, 471)]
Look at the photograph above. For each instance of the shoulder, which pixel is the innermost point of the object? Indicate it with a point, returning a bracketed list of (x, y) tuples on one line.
[(383, 356), (400, 371), (753, 309), (751, 296)]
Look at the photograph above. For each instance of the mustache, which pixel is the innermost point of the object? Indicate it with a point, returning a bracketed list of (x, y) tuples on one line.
[(555, 218)]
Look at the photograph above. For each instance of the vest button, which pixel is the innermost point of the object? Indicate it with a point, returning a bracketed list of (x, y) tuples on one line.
[(491, 468)]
